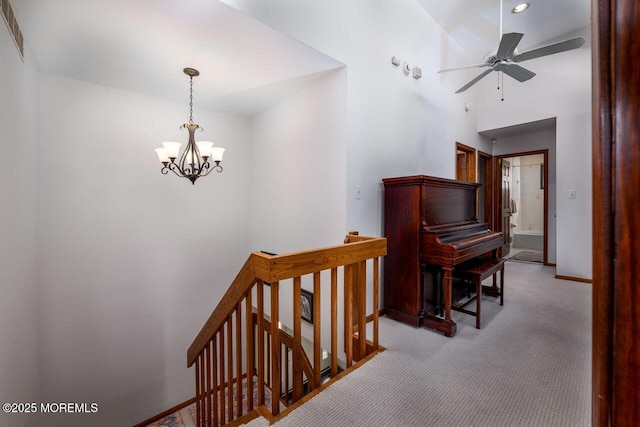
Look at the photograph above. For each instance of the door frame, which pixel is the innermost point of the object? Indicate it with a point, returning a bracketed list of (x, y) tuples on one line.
[(470, 156), (498, 194), (616, 226), (487, 160)]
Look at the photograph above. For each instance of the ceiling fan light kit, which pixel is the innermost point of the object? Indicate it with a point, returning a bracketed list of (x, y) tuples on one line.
[(506, 56), (520, 8)]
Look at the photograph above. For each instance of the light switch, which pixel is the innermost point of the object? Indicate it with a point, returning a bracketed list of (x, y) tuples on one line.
[(572, 194), (357, 192)]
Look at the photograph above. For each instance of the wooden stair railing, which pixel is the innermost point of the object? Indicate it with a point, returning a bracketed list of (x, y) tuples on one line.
[(232, 346), (286, 346)]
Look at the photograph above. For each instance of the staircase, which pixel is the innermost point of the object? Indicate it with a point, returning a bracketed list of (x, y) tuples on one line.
[(247, 364)]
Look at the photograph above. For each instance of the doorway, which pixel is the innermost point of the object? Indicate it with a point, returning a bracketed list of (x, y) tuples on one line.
[(522, 205), (465, 163)]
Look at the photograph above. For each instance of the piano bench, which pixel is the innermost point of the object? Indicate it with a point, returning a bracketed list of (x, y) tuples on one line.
[(476, 271)]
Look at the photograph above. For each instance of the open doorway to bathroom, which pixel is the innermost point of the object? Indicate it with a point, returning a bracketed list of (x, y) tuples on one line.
[(522, 201)]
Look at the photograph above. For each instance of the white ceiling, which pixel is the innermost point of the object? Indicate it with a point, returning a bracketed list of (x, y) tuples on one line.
[(474, 24), (520, 129), (143, 45)]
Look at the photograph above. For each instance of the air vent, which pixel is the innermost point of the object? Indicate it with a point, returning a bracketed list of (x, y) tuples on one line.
[(12, 25)]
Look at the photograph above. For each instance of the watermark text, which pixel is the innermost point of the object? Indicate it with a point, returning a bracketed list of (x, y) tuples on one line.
[(50, 408)]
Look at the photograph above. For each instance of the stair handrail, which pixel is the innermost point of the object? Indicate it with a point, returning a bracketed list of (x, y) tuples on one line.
[(244, 281), (260, 266), (221, 350)]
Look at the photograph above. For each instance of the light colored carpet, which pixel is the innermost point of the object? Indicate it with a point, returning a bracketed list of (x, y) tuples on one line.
[(529, 365)]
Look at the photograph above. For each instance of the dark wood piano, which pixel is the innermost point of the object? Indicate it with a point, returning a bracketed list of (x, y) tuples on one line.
[(431, 226)]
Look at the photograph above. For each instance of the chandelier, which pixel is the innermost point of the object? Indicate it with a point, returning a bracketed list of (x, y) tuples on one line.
[(194, 161)]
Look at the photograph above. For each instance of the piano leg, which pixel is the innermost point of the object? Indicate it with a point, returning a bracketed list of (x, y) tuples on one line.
[(446, 325), (447, 284)]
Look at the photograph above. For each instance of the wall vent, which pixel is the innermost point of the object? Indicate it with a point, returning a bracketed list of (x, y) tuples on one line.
[(12, 25)]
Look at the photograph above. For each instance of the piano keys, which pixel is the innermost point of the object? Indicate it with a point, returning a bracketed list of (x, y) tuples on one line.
[(431, 226)]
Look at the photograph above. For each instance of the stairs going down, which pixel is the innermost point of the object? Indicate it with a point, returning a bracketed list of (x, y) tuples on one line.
[(244, 355)]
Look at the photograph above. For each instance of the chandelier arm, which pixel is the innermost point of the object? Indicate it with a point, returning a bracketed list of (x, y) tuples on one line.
[(210, 169), (206, 168), (176, 169)]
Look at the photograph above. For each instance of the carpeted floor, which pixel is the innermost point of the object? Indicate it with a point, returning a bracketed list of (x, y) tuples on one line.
[(529, 365)]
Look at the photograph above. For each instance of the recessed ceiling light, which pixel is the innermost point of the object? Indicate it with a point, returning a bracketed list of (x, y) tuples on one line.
[(520, 8)]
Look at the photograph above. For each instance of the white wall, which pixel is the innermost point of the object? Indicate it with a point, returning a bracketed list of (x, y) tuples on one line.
[(574, 215), (299, 160), (561, 89), (131, 262), (299, 164), (19, 379), (396, 125)]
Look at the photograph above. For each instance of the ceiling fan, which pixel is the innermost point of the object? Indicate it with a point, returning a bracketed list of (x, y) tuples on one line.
[(506, 57)]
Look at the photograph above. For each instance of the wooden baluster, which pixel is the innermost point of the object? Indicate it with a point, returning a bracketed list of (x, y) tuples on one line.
[(198, 393), (222, 381), (287, 380), (317, 321), (260, 306), (230, 369), (207, 356), (239, 352), (362, 308), (348, 311), (297, 339), (376, 302), (250, 352), (275, 350), (203, 390), (215, 379), (269, 373), (334, 322)]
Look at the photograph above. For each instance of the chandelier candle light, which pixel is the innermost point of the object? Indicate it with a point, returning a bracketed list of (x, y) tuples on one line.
[(194, 161)]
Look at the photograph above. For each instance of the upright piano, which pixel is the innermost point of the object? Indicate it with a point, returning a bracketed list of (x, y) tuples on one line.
[(431, 226)]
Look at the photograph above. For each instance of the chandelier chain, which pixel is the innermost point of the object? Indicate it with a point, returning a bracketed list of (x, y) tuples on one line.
[(191, 100)]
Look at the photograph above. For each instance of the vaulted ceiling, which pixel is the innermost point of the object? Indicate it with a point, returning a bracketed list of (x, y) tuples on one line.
[(475, 24), (143, 45)]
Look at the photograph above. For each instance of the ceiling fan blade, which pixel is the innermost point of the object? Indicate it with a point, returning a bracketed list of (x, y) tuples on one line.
[(508, 44), (474, 81), (519, 73), (464, 68), (570, 44)]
